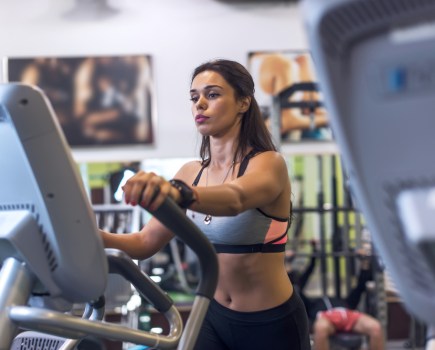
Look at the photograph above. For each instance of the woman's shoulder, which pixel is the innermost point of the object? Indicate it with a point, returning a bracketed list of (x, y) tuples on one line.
[(270, 156), (192, 165), (267, 161), (189, 170)]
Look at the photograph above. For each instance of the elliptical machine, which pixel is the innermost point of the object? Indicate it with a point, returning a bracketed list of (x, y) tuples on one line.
[(51, 252)]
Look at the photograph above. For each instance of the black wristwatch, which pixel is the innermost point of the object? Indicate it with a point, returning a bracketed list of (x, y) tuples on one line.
[(186, 193)]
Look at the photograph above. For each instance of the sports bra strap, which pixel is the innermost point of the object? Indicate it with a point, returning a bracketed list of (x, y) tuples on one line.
[(279, 238), (245, 161), (249, 248), (243, 166), (195, 182)]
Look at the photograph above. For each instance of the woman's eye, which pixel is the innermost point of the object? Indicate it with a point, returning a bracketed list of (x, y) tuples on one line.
[(213, 95), (194, 98)]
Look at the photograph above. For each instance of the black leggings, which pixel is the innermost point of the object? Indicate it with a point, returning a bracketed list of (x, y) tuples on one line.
[(282, 327)]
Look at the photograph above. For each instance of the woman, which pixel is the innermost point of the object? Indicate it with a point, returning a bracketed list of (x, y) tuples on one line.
[(240, 198)]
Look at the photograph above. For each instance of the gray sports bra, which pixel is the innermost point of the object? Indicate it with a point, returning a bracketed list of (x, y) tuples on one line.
[(252, 231)]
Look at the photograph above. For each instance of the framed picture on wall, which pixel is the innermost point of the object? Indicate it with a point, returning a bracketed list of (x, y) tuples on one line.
[(99, 101), (289, 78)]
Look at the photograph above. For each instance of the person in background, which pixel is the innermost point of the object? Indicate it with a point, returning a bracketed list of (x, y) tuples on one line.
[(329, 315), (239, 196)]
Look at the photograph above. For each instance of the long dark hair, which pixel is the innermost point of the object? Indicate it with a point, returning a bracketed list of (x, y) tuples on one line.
[(253, 131)]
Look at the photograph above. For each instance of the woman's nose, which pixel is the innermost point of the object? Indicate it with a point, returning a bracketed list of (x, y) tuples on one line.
[(201, 104)]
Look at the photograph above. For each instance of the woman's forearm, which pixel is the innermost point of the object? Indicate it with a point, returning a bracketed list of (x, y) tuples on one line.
[(130, 243)]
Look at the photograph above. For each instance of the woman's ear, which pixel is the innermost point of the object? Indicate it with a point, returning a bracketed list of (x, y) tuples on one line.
[(245, 102)]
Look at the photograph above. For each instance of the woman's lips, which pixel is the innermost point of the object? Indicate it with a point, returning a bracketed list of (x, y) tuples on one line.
[(200, 118)]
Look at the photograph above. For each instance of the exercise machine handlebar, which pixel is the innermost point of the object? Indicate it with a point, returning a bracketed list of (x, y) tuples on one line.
[(120, 263), (173, 217)]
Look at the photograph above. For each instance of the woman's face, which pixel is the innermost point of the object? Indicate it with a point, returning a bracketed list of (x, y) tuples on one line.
[(214, 106)]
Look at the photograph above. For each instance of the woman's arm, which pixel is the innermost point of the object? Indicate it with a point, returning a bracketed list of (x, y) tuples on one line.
[(265, 184), (140, 245), (149, 191)]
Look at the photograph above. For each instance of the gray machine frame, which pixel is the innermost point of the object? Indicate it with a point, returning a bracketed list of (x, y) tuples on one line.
[(50, 249), (375, 61)]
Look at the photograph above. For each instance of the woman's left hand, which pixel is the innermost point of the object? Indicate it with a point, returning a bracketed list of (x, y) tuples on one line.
[(148, 190)]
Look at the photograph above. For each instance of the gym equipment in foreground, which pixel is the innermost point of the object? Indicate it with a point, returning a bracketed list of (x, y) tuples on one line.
[(51, 251), (374, 60)]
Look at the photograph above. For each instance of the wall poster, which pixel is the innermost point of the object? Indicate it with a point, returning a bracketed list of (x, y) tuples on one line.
[(99, 101), (290, 76)]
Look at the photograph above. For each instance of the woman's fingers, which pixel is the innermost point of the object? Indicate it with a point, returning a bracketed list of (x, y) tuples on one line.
[(151, 190), (159, 195), (134, 187), (147, 189)]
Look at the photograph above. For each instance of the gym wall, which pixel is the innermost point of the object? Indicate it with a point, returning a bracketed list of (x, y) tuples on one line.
[(178, 35)]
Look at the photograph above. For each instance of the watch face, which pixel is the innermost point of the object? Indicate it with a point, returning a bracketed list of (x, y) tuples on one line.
[(186, 193)]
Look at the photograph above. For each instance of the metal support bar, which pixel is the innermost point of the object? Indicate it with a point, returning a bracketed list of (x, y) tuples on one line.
[(16, 283), (194, 322), (74, 327)]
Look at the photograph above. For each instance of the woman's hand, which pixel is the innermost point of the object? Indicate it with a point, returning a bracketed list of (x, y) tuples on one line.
[(148, 190)]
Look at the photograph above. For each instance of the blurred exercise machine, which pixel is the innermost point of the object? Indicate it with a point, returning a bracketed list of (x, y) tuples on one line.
[(51, 253), (375, 61)]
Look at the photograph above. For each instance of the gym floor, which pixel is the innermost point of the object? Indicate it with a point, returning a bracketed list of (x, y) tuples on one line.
[(401, 344)]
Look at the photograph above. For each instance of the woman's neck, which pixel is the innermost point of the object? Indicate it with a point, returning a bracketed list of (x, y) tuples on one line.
[(222, 153)]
